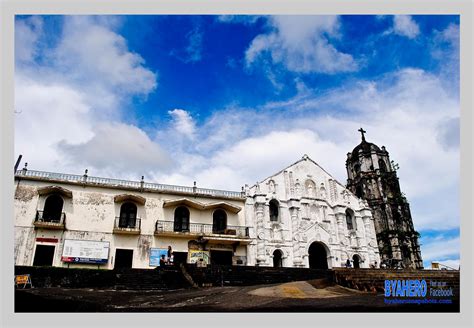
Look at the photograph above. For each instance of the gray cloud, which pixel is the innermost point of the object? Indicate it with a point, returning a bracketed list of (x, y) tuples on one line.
[(448, 134)]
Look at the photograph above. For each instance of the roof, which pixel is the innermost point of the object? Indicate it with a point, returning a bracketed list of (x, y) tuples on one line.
[(84, 180), (200, 206), (365, 147), (304, 158)]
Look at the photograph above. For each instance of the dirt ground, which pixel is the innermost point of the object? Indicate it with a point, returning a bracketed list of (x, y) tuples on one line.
[(288, 297)]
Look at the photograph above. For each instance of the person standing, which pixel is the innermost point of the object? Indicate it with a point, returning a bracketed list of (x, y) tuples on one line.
[(348, 263), (169, 255)]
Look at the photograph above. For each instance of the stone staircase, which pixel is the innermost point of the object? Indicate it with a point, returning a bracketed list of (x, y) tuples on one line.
[(222, 275), (165, 278), (373, 280)]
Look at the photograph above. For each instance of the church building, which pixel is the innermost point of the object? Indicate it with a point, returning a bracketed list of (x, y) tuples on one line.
[(303, 217), (298, 217)]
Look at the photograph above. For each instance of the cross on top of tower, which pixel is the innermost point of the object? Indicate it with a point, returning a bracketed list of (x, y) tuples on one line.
[(362, 131)]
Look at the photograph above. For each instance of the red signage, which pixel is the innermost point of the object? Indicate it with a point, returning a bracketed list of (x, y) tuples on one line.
[(47, 240)]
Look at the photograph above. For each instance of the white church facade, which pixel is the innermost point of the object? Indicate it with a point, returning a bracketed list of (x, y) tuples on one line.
[(299, 217)]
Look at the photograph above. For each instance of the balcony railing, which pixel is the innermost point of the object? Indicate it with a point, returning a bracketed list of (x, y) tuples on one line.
[(128, 184), (202, 229), (50, 220), (127, 225)]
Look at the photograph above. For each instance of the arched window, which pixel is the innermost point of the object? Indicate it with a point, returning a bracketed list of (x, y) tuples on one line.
[(128, 215), (181, 219), (350, 220), (53, 207), (359, 192), (274, 210), (397, 216), (310, 188), (382, 166), (219, 221), (357, 168)]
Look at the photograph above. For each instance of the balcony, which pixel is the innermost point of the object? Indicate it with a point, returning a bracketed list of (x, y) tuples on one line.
[(55, 221), (127, 226), (231, 233)]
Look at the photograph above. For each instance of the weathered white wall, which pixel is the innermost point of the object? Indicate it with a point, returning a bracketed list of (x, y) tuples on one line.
[(90, 215)]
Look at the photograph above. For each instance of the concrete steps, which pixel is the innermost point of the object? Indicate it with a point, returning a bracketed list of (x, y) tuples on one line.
[(246, 275)]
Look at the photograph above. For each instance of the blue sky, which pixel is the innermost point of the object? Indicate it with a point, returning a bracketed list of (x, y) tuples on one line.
[(229, 100)]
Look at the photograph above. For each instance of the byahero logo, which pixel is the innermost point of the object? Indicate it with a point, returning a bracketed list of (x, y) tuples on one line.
[(405, 288)]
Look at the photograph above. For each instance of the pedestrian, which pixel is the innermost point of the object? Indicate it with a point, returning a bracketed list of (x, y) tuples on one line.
[(162, 260), (169, 255), (348, 263)]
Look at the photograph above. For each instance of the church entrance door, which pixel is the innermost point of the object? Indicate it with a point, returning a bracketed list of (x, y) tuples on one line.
[(277, 259), (318, 256)]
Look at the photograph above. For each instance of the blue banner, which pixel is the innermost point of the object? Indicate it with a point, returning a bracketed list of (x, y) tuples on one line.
[(155, 255)]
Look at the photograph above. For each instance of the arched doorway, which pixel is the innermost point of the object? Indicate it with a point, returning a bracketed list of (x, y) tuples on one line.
[(277, 259), (318, 256), (356, 261)]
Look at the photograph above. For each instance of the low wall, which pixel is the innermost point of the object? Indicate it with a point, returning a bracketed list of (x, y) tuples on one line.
[(214, 275), (160, 278), (172, 277), (167, 277)]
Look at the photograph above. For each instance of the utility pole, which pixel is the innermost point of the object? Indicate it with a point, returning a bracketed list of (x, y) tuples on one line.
[(17, 163)]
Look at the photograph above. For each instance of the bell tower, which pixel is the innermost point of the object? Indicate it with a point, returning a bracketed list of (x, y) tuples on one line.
[(372, 177)]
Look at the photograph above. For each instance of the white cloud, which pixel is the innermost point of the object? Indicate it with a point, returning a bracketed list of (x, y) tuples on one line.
[(254, 158), (301, 44), (454, 263), (193, 51), (445, 48), (118, 147), (194, 48), (48, 113), (403, 111), (238, 19), (27, 33), (405, 25), (182, 122), (92, 53), (83, 80), (440, 249)]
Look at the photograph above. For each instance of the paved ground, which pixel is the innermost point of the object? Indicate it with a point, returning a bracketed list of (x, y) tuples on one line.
[(289, 297)]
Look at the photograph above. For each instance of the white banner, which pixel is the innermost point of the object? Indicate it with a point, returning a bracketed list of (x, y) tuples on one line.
[(85, 251)]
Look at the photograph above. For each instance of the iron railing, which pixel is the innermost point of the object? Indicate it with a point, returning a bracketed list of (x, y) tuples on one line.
[(127, 223), (201, 229), (128, 184), (54, 218)]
